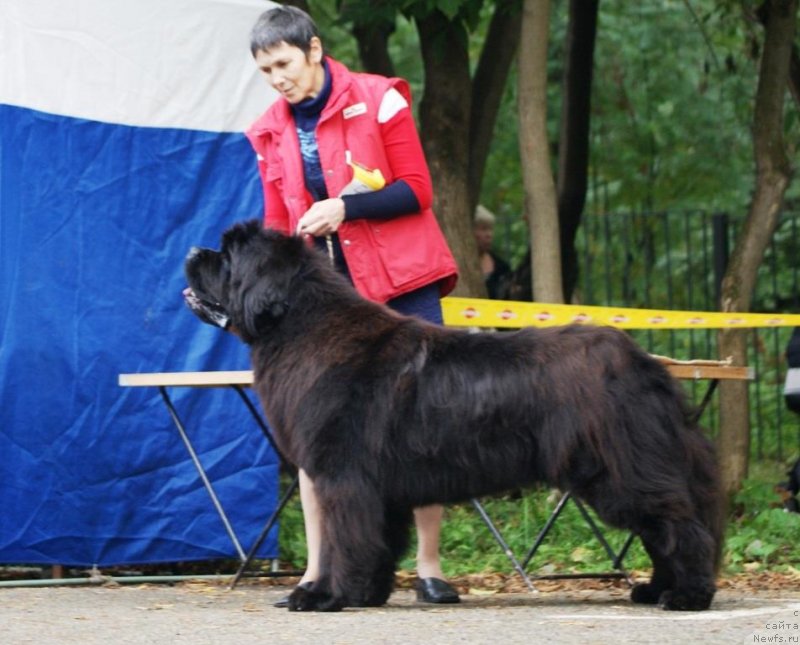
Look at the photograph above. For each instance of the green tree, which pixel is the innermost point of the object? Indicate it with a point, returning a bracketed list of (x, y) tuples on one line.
[(773, 173)]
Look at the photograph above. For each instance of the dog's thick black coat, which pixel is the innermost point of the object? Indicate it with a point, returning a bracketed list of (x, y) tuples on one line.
[(386, 413)]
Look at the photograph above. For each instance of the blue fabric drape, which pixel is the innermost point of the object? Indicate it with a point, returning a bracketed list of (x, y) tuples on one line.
[(95, 220)]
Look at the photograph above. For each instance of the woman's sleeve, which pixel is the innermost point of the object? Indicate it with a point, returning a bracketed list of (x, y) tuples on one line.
[(412, 190)]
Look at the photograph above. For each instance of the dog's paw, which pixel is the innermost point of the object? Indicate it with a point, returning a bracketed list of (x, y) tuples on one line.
[(699, 600), (646, 594), (373, 599), (302, 599)]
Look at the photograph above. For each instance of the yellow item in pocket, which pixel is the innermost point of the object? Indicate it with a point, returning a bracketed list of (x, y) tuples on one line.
[(364, 180), (372, 179)]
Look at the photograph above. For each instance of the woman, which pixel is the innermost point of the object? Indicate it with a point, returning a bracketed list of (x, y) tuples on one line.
[(381, 233)]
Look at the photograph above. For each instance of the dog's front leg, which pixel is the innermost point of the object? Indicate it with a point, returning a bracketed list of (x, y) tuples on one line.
[(362, 562), (319, 595), (356, 564), (316, 598)]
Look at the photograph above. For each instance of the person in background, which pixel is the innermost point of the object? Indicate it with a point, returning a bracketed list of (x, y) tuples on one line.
[(341, 163), (789, 489), (495, 269)]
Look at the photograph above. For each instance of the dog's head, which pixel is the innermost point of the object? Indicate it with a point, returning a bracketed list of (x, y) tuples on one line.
[(244, 285)]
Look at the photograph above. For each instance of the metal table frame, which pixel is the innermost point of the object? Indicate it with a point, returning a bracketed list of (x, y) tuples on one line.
[(236, 380)]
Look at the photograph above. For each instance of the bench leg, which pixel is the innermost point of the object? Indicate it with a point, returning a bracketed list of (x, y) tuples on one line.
[(503, 544), (264, 532)]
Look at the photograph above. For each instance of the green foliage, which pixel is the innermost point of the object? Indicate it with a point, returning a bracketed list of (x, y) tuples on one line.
[(672, 102), (665, 105), (377, 12), (381, 12), (337, 37), (759, 534)]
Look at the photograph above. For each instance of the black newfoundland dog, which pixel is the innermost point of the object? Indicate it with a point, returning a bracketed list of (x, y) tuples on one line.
[(386, 413)]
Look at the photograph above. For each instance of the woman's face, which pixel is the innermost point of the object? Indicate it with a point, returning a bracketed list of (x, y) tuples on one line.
[(291, 72)]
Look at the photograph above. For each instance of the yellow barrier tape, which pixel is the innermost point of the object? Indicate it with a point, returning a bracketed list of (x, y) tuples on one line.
[(477, 312)]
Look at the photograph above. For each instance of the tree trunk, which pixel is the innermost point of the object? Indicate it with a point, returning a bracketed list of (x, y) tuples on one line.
[(488, 85), (761, 14), (373, 47), (540, 192), (794, 77), (573, 156), (773, 171), (444, 124)]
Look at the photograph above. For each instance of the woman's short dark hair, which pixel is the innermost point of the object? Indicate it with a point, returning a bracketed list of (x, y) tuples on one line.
[(284, 24)]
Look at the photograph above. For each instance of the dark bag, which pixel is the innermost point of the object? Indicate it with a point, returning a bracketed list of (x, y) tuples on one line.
[(791, 387), (789, 489)]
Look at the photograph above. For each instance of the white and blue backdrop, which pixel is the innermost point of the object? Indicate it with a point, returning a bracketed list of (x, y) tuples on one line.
[(121, 146)]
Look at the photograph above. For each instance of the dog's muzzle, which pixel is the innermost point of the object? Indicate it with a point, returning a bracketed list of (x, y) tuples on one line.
[(209, 312)]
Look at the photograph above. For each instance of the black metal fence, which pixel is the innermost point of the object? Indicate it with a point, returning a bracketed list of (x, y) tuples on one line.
[(676, 261)]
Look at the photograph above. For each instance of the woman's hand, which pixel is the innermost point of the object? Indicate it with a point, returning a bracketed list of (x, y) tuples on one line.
[(323, 218)]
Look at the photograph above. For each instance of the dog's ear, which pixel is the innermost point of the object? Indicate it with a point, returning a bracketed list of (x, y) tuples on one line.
[(241, 233), (264, 305), (267, 272)]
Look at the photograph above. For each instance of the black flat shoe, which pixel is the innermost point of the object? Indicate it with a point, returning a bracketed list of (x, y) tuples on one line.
[(436, 591), (283, 603)]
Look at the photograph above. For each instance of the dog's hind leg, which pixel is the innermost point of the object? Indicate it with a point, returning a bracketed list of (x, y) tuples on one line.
[(682, 548), (693, 569), (683, 555), (649, 593), (688, 540)]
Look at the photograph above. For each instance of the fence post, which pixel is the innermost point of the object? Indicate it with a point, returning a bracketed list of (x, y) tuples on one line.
[(719, 237)]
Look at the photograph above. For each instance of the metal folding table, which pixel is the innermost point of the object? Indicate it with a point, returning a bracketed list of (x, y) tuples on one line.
[(238, 381)]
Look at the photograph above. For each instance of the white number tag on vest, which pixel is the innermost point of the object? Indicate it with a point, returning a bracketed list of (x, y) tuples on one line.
[(354, 110)]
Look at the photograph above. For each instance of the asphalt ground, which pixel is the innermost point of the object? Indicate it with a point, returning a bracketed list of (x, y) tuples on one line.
[(197, 613)]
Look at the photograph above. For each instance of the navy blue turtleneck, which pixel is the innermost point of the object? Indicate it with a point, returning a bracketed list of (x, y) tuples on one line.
[(306, 116)]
